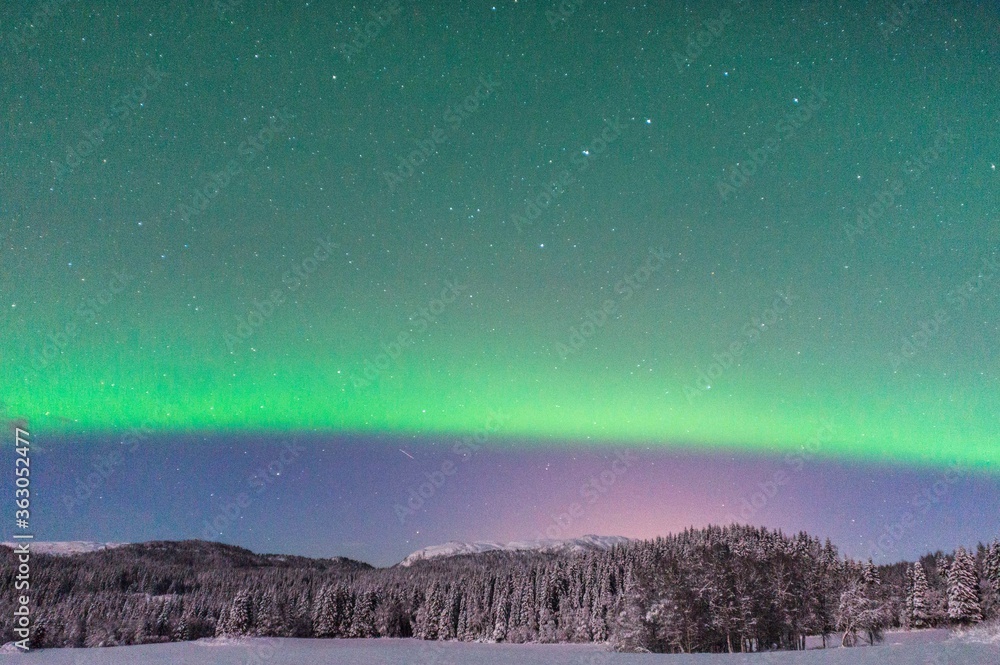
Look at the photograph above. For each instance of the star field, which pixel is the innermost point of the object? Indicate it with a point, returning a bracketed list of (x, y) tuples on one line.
[(708, 228)]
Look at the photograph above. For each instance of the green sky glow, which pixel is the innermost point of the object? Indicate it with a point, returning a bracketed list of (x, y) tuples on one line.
[(157, 352)]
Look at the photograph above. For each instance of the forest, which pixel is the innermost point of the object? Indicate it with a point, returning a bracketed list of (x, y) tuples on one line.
[(718, 589)]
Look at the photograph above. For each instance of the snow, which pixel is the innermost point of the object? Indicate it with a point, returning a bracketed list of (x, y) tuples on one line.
[(987, 633), (455, 548), (416, 652), (65, 548)]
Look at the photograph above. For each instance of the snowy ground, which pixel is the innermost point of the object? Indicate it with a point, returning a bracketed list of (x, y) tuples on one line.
[(892, 638), (919, 648)]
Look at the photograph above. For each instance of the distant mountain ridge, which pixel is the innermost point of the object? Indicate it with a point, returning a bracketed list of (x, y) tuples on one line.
[(548, 546), (452, 548), (65, 547)]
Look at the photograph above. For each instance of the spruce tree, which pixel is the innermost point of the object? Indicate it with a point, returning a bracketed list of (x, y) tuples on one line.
[(182, 632), (918, 601), (429, 614), (631, 632), (363, 618), (907, 618), (501, 611), (447, 617), (326, 615), (267, 622), (992, 566), (963, 590), (240, 615), (991, 572)]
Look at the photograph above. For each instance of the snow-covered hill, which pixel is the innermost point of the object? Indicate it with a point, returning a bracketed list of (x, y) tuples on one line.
[(66, 548), (454, 548)]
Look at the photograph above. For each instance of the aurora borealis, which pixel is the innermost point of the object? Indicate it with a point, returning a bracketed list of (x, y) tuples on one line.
[(702, 229)]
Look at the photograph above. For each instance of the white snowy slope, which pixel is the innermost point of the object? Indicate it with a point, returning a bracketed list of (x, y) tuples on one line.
[(65, 548), (455, 548)]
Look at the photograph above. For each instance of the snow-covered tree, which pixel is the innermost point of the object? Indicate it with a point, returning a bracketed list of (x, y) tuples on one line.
[(917, 601), (717, 589), (182, 632), (326, 617), (266, 619), (963, 590), (363, 616), (428, 617), (239, 618), (860, 612), (991, 578), (632, 630), (992, 566)]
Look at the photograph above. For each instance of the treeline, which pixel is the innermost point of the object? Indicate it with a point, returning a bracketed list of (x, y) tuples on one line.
[(720, 589)]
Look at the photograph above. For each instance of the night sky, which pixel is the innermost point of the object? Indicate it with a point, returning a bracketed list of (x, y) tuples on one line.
[(723, 240)]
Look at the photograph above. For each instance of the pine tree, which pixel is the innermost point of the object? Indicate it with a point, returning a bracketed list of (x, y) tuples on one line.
[(991, 573), (182, 632), (907, 619), (870, 576), (326, 615), (632, 632), (992, 566), (917, 601), (267, 623), (501, 612), (963, 590), (363, 618), (429, 614), (463, 619), (447, 616), (548, 603), (240, 618)]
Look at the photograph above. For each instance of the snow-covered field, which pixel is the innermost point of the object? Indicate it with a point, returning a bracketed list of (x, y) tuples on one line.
[(918, 648)]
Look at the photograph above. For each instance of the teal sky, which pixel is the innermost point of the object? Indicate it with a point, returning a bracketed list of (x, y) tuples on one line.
[(268, 310)]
